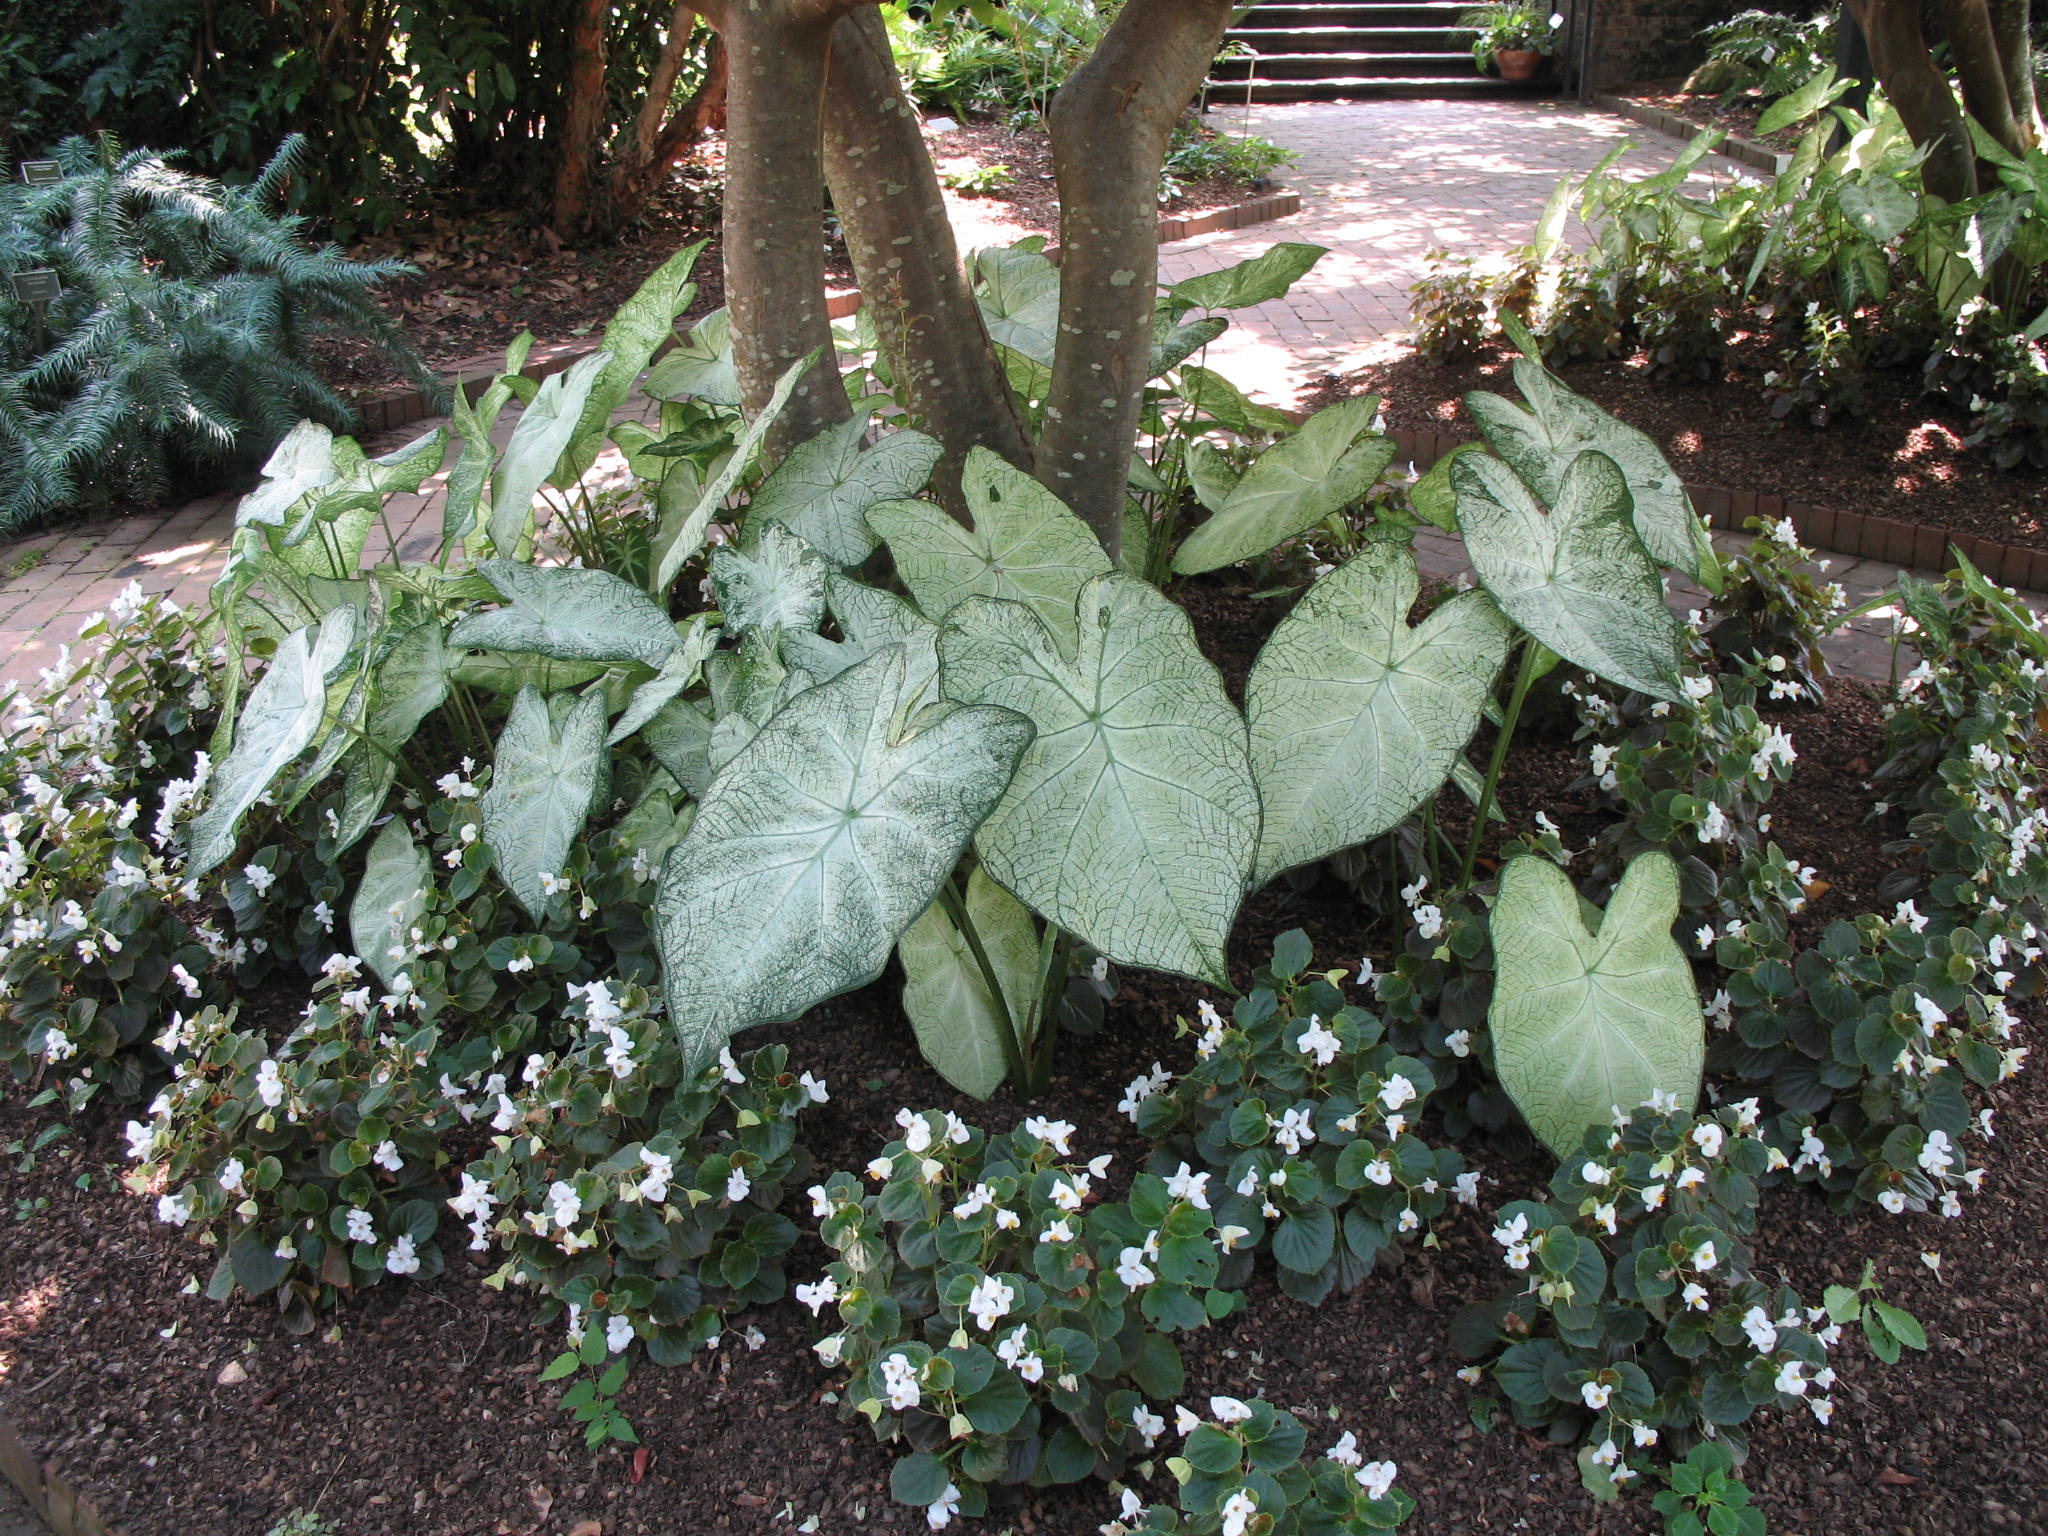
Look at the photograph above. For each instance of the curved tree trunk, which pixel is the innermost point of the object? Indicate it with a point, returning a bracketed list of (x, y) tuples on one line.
[(1920, 92), (1981, 72), (775, 210), (886, 191), (2009, 25), (1111, 124), (658, 147)]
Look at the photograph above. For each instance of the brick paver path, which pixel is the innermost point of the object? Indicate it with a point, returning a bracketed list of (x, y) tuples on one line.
[(1382, 183)]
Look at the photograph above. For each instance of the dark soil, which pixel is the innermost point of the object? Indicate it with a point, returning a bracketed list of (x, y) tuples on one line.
[(1738, 119), (1904, 459), (486, 275), (421, 1413)]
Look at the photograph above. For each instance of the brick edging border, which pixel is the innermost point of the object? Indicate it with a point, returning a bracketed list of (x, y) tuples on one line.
[(60, 1506), (398, 408), (1855, 535), (1755, 156)]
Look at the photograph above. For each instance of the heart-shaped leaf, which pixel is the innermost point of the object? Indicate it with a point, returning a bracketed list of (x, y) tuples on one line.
[(280, 720), (1295, 484), (545, 777), (816, 847), (569, 613), (676, 674), (1173, 344), (1578, 578), (700, 366), (1214, 396), (1263, 277), (822, 491), (1018, 290), (946, 997), (1024, 545), (635, 330), (544, 430), (1540, 444), (389, 900), (1586, 1023), (1356, 718), (1133, 817), (778, 585)]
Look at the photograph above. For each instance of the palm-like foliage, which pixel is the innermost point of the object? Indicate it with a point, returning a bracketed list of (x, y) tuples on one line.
[(178, 348)]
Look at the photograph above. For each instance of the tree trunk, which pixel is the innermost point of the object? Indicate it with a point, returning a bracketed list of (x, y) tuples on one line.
[(1111, 124), (886, 191), (661, 82), (1920, 92), (1974, 47), (2009, 24), (774, 208), (583, 116), (634, 180)]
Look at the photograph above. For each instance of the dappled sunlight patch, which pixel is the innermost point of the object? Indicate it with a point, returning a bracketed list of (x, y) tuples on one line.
[(21, 1314)]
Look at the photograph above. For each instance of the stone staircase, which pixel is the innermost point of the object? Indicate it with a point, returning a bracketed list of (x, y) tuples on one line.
[(1343, 50)]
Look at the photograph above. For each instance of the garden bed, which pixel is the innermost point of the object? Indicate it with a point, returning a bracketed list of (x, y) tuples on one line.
[(1737, 118), (421, 1413), (1904, 459)]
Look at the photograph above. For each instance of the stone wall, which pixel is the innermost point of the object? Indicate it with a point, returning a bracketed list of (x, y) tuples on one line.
[(1648, 39)]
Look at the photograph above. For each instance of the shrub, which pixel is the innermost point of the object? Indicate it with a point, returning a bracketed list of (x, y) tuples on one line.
[(177, 352), (1763, 53)]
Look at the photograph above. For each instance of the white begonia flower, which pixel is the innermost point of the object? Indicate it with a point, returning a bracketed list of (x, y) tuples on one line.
[(1132, 1270), (917, 1134), (1909, 914), (1593, 1173), (899, 1381), (738, 1186), (978, 1200), (1715, 826), (1320, 1041), (1792, 1378), (830, 1349), (661, 1170), (362, 1227), (1762, 1332), (564, 1204), (1345, 1451), (880, 1167), (1377, 1478), (814, 1089), (1429, 921), (1595, 1395), (260, 879), (1459, 1042), (1211, 1038), (1687, 1178), (229, 1174), (1694, 1296), (1237, 1512), (1364, 969), (990, 1302), (269, 1088), (1704, 1257), (1055, 1133), (1396, 1092), (1709, 1137), (1186, 1184), (1892, 1200), (1697, 687), (176, 1210), (1936, 1156), (1143, 1088), (939, 1513), (818, 1295), (1294, 1129), (402, 1259), (618, 1332), (729, 1068)]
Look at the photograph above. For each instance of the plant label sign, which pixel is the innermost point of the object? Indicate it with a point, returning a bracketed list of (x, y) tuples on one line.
[(38, 285), (41, 173)]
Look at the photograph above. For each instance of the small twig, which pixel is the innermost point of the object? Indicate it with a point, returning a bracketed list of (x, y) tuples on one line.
[(480, 1343), (34, 1387)]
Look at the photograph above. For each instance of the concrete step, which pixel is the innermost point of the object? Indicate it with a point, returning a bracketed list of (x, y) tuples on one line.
[(1346, 65), (1227, 93), (1271, 41), (1416, 13)]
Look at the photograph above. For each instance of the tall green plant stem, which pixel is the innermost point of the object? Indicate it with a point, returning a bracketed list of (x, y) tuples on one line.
[(1013, 1046), (1532, 666)]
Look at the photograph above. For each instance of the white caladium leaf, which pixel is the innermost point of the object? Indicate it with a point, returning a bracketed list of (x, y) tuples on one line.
[(570, 614), (1018, 290), (946, 996), (700, 366), (1173, 344), (1265, 276), (1577, 578), (636, 328), (1212, 395), (1540, 444), (389, 900), (1211, 476), (778, 585), (280, 720), (302, 461), (679, 736), (816, 847), (870, 619), (544, 430), (1586, 1023), (1295, 484), (545, 776), (1356, 718), (1025, 545), (681, 669), (1133, 818), (821, 492)]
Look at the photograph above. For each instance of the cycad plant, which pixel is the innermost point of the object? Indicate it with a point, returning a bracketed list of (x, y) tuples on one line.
[(177, 350)]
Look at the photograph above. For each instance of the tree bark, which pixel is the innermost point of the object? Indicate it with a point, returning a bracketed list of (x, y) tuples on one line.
[(2009, 24), (886, 191), (774, 207), (1981, 72), (1920, 91), (1111, 124), (634, 179), (583, 115)]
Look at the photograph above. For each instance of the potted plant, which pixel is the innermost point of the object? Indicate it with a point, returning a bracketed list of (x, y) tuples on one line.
[(1514, 36)]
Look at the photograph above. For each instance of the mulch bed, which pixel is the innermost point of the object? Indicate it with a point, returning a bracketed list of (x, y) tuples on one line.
[(1903, 459), (488, 274), (422, 1415), (1738, 119)]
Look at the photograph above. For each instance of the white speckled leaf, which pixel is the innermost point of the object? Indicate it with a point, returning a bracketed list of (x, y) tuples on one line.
[(543, 780), (699, 366), (1133, 818), (1019, 294), (700, 639), (281, 718), (1357, 718), (302, 461), (945, 995), (1025, 546), (1295, 484), (870, 619), (1255, 280), (568, 613), (777, 585), (1577, 578), (389, 899), (816, 847), (822, 491), (545, 428), (1540, 443), (1584, 1023)]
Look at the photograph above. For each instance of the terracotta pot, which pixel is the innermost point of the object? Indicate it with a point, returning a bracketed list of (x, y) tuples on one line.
[(1518, 63)]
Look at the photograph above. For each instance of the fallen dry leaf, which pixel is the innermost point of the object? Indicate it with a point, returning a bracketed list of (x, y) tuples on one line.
[(587, 1528), (639, 1464)]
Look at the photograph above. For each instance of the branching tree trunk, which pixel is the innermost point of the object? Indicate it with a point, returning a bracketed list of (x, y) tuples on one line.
[(1974, 46), (1111, 124), (2010, 26), (886, 191), (658, 144), (583, 117)]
